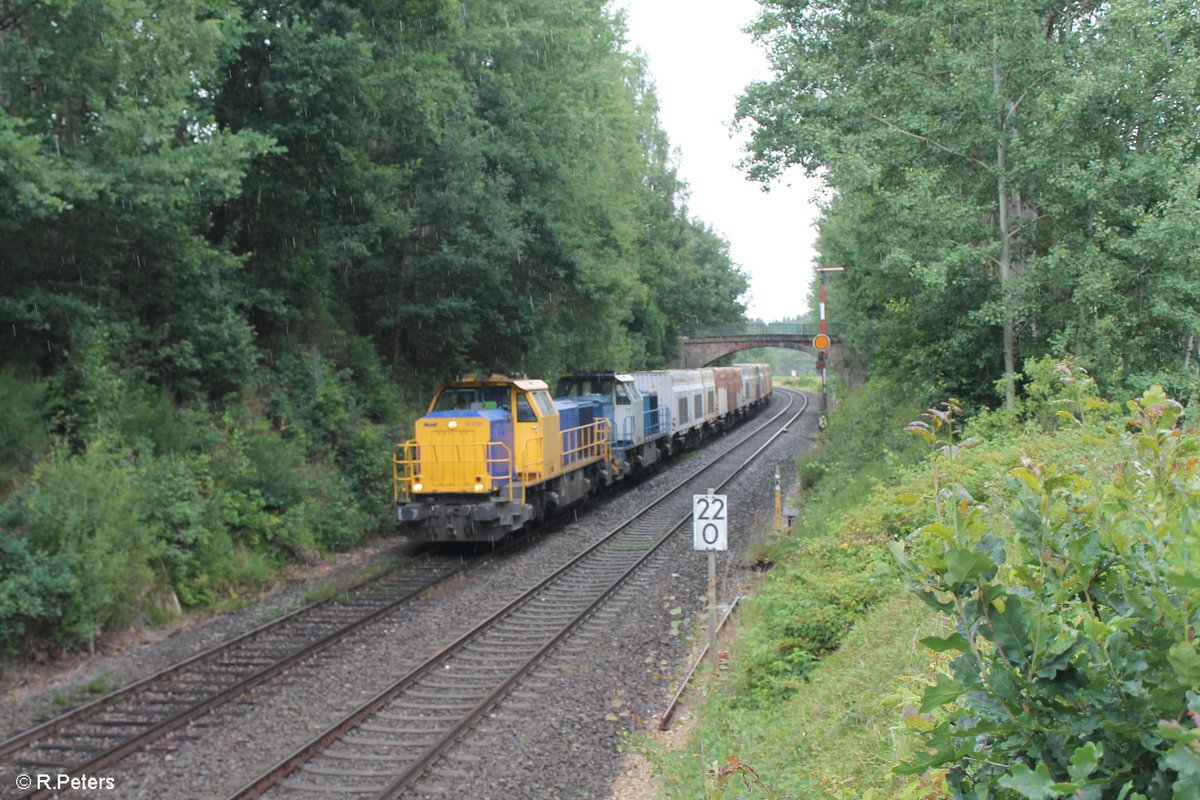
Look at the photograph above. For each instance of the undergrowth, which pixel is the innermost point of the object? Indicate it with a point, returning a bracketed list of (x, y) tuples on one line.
[(120, 502), (845, 685)]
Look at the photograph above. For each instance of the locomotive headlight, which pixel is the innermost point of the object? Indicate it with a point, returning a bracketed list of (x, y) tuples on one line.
[(452, 424), (417, 485), (478, 485)]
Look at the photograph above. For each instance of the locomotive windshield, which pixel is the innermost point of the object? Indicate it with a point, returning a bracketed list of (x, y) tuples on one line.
[(580, 385), (474, 398)]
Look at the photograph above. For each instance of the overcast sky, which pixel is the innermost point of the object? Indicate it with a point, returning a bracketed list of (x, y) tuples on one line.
[(701, 60)]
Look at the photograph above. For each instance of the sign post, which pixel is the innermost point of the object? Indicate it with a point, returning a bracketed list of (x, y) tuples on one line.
[(710, 532), (778, 502), (821, 344)]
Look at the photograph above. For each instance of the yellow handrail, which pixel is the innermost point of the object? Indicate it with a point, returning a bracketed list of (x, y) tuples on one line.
[(588, 443), (406, 463), (593, 443)]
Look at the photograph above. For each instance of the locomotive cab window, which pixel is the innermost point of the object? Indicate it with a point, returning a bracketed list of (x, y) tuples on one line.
[(524, 410), (579, 386), (476, 398), (622, 395), (544, 403)]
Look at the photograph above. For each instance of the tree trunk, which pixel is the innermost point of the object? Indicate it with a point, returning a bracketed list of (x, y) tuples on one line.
[(1010, 389)]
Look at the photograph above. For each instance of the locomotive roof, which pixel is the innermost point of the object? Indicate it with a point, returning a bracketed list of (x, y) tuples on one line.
[(594, 373), (524, 384)]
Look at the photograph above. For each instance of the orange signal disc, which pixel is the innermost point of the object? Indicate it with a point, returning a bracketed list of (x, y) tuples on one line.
[(821, 341)]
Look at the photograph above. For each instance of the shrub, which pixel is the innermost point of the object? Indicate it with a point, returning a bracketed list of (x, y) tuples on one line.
[(23, 436), (84, 514), (1078, 670), (33, 591)]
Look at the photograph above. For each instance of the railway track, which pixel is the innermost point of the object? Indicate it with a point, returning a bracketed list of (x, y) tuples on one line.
[(93, 736), (382, 747)]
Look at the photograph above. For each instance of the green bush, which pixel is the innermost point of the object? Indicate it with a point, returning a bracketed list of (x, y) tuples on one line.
[(23, 435), (121, 495), (84, 513), (34, 589), (86, 394), (1078, 670), (198, 556)]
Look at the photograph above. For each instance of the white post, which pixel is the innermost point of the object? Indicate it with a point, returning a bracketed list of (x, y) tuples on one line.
[(712, 606)]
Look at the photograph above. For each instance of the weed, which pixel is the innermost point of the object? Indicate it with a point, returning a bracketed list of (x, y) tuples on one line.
[(83, 693)]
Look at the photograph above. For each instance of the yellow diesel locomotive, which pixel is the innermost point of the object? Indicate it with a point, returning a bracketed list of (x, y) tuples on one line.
[(494, 454)]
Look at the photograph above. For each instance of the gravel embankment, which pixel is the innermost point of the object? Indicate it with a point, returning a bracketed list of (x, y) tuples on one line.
[(558, 734), (561, 732), (31, 694)]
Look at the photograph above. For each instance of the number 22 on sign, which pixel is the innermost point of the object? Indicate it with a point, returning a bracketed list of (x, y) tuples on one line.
[(710, 522)]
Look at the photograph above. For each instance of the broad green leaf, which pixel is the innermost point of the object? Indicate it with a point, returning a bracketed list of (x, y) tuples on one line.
[(1028, 478), (1181, 579), (939, 529), (1009, 629), (1031, 784), (1184, 758), (963, 566), (898, 552), (1185, 660), (940, 644), (1058, 482), (942, 749), (1084, 761), (946, 690)]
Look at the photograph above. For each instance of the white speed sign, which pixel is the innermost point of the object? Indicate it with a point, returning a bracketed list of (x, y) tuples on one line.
[(710, 522)]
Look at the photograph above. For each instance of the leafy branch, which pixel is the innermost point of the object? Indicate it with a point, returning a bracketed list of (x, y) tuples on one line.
[(1078, 671)]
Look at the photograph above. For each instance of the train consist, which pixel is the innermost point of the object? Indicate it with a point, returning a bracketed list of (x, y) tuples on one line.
[(495, 454)]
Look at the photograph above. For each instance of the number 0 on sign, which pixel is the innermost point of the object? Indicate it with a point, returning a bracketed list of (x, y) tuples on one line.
[(710, 522)]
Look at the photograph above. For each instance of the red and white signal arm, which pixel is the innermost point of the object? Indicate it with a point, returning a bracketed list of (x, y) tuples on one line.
[(710, 522), (821, 341)]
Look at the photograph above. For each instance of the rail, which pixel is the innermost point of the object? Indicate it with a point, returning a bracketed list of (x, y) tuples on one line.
[(656, 422), (586, 444), (148, 709), (482, 665)]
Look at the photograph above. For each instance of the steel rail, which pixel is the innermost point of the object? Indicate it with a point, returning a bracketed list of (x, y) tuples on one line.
[(664, 720), (105, 757), (283, 769)]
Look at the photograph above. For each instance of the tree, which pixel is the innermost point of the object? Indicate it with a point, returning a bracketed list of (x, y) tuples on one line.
[(109, 163), (955, 135)]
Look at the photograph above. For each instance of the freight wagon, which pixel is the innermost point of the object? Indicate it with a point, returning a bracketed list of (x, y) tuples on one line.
[(492, 455)]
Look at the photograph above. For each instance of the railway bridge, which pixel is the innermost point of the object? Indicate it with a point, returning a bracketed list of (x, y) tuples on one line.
[(704, 346)]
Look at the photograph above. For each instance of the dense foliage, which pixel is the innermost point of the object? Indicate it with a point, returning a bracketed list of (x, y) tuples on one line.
[(1007, 180), (241, 241), (807, 718), (1056, 557), (1076, 668)]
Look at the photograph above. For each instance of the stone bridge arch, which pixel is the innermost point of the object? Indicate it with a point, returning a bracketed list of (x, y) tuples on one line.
[(702, 348)]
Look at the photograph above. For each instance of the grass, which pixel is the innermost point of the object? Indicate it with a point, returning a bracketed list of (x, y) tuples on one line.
[(342, 585), (839, 734), (81, 694)]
